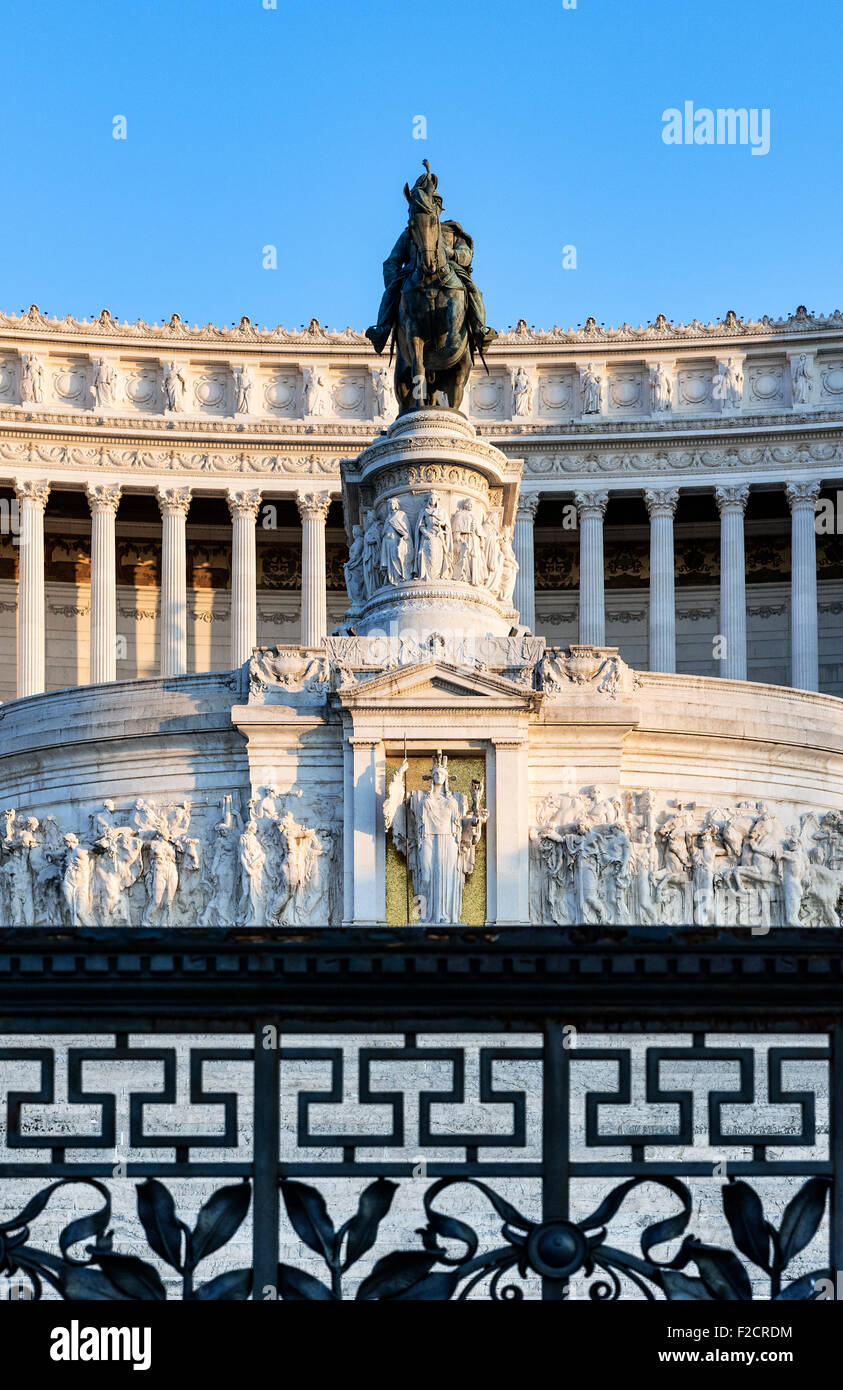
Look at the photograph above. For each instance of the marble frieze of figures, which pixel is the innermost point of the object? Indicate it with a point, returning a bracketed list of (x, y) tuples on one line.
[(469, 544), (636, 858), (151, 864)]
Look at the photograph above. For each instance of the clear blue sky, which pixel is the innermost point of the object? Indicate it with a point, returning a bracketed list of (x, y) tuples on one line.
[(293, 126)]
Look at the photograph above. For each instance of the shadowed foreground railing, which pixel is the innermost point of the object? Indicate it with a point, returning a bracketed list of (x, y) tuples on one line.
[(420, 1115)]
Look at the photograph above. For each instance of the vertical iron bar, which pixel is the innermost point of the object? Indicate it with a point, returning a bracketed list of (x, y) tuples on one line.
[(266, 1128), (407, 836), (555, 1140), (835, 1146)]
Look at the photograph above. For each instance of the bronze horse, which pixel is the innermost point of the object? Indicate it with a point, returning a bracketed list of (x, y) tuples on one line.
[(435, 349)]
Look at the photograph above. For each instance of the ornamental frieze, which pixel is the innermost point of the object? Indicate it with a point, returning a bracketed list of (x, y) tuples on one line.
[(781, 457), (431, 475)]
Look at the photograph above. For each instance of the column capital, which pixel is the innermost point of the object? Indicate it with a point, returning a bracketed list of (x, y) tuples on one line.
[(661, 501), (732, 499), (313, 506), (34, 490), (527, 506), (802, 495), (103, 497), (174, 501), (243, 503), (592, 504)]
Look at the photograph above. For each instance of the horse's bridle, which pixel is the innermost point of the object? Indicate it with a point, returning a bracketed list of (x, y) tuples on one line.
[(441, 258)]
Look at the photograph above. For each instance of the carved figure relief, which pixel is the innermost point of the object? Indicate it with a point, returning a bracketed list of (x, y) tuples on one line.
[(31, 380), (433, 541), (105, 383), (152, 865), (591, 386), (244, 385), (522, 392), (175, 387), (661, 388), (315, 391), (629, 860), (397, 549), (437, 831), (801, 380)]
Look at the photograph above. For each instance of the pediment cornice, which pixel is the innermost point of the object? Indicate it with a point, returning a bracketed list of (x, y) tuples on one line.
[(436, 684)]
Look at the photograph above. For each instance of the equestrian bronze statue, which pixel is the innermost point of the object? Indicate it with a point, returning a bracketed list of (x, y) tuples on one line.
[(431, 308)]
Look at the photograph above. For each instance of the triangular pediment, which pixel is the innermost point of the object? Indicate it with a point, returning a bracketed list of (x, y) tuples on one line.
[(433, 682)]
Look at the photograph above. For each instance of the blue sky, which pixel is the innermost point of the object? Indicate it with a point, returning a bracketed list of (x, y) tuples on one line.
[(250, 126)]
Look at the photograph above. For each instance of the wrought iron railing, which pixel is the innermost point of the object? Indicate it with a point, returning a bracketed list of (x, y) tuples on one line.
[(413, 1115)]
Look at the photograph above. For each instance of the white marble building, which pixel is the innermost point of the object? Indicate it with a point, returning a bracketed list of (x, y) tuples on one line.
[(174, 498)]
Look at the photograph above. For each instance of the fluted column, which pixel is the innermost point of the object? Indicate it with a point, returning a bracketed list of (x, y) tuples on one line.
[(174, 503), (804, 642), (243, 507), (731, 503), (523, 545), (591, 508), (661, 506), (32, 496), (313, 510), (103, 499)]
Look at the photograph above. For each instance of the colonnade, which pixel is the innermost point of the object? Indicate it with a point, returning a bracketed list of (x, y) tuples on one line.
[(661, 506)]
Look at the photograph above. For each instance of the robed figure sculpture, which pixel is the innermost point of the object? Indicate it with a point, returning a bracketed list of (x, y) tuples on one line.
[(438, 831)]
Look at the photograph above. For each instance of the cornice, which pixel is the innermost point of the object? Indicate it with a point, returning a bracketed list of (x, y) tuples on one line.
[(143, 466), (108, 331), (505, 433), (116, 978), (761, 446), (99, 430)]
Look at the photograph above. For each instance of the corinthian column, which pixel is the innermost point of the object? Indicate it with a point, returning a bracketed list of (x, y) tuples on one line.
[(661, 505), (731, 503), (103, 499), (174, 503), (313, 510), (522, 543), (804, 644), (591, 508), (243, 507), (32, 496)]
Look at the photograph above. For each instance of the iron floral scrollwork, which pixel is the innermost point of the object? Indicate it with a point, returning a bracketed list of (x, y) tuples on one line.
[(450, 1263), (401, 1275), (555, 1250), (105, 1275)]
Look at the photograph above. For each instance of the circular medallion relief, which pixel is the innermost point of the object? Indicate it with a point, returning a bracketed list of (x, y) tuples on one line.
[(140, 389), (767, 385), (626, 390), (210, 391), (69, 384), (486, 395), (833, 381), (556, 393), (349, 394), (695, 389), (281, 393)]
